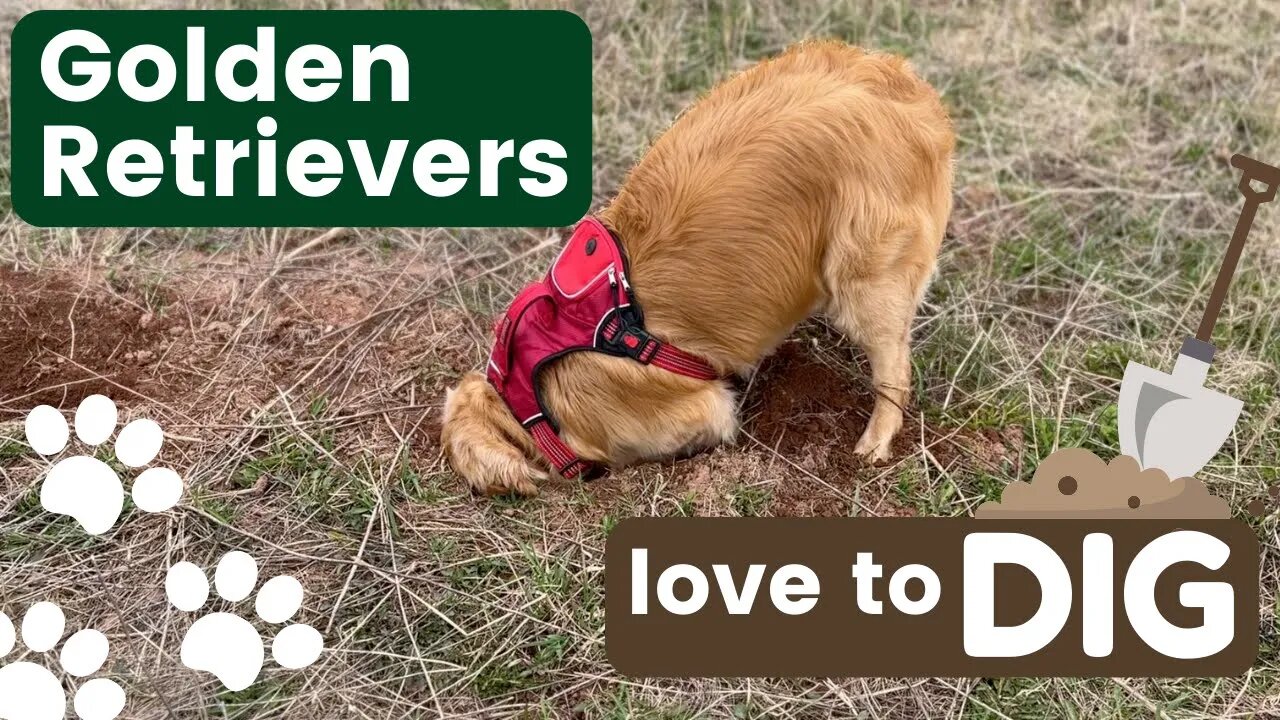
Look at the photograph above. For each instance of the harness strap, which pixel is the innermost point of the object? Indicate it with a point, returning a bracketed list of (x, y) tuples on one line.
[(563, 459), (643, 347)]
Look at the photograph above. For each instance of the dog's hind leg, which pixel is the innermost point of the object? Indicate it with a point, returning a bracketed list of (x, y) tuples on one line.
[(874, 286)]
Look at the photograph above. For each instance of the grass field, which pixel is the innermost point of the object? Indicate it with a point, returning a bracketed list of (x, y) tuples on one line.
[(299, 375)]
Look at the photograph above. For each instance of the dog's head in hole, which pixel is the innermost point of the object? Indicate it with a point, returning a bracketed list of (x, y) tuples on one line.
[(815, 182)]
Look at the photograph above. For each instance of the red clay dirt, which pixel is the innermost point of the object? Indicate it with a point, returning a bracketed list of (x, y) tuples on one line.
[(798, 403), (219, 350), (62, 342), (809, 416), (813, 415)]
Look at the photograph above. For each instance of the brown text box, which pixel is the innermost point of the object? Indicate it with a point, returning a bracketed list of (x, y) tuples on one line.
[(836, 638)]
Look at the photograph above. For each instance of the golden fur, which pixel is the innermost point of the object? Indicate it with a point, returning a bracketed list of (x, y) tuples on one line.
[(816, 181)]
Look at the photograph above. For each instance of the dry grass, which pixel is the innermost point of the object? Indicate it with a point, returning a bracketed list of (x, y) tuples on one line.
[(300, 382)]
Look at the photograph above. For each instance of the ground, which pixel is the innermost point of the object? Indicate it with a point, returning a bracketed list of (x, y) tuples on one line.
[(299, 374)]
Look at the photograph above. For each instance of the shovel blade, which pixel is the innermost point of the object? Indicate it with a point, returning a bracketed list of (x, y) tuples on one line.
[(1172, 423)]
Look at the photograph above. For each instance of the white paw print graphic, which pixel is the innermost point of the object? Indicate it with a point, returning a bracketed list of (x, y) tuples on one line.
[(227, 645), (85, 487), (29, 691)]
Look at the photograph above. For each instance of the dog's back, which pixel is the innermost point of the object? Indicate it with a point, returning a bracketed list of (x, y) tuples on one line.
[(737, 204), (819, 180)]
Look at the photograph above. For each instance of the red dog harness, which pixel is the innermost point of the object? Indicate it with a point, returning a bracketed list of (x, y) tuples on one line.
[(584, 303)]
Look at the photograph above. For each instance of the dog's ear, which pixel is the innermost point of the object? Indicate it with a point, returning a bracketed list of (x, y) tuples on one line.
[(485, 444)]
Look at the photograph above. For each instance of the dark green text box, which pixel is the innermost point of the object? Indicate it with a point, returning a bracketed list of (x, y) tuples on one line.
[(473, 76)]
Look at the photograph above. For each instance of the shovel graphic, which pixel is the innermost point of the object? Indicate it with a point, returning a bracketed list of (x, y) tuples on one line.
[(1173, 422)]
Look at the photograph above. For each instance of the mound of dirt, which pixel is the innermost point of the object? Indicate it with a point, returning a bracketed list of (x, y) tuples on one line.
[(1075, 483), (65, 341), (803, 408), (811, 415)]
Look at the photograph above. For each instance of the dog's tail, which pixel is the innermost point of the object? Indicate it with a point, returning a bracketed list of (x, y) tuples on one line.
[(485, 444)]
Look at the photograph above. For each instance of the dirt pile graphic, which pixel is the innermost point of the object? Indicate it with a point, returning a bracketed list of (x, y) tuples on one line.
[(1075, 483)]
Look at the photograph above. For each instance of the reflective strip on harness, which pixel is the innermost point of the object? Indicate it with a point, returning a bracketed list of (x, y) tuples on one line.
[(563, 459)]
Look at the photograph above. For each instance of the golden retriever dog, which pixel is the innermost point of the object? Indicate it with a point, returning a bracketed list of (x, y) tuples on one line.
[(818, 181)]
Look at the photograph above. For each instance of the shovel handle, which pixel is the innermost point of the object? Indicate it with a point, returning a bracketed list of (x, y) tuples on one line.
[(1256, 170), (1250, 170)]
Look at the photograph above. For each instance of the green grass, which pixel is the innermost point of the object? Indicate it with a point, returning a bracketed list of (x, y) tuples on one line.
[(1093, 204), (619, 704), (749, 500), (342, 491), (12, 449), (220, 509), (262, 699)]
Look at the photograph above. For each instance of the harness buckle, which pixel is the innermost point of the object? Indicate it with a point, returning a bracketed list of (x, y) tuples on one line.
[(634, 342)]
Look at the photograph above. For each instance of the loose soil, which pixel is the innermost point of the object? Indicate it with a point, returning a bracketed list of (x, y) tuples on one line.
[(216, 351), (63, 340)]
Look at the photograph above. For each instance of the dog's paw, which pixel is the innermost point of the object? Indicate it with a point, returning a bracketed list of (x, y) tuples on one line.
[(511, 476), (874, 447)]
